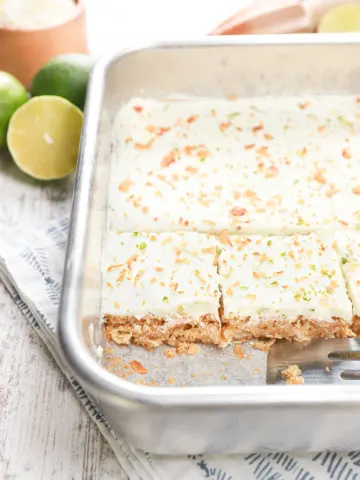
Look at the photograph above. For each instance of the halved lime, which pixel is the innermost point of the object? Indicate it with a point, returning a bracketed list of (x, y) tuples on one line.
[(341, 19), (44, 136)]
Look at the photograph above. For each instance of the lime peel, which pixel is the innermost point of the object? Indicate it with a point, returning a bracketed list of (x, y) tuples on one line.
[(65, 76), (12, 95)]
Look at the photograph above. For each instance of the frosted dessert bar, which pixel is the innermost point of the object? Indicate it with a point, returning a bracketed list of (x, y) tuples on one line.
[(161, 288), (273, 180), (211, 164), (288, 287), (348, 247)]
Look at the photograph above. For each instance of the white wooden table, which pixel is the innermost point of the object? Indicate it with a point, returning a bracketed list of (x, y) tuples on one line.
[(44, 432)]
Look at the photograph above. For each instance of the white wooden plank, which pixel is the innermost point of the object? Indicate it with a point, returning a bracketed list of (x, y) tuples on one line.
[(45, 433)]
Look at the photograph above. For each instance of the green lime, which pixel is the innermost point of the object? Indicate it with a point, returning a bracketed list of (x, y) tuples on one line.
[(341, 19), (43, 137), (65, 76), (12, 96)]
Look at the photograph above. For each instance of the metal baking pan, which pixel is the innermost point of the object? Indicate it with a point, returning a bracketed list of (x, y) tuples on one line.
[(208, 414)]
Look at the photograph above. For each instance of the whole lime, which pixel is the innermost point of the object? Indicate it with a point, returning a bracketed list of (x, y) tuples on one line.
[(64, 76), (12, 95)]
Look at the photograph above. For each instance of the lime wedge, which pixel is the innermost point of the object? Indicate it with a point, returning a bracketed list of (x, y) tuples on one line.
[(44, 136), (344, 18)]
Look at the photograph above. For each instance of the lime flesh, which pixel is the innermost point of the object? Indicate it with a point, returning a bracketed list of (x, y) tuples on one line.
[(44, 136)]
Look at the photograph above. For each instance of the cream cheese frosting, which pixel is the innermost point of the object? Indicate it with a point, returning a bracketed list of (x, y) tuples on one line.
[(162, 275), (255, 165), (348, 246), (282, 277)]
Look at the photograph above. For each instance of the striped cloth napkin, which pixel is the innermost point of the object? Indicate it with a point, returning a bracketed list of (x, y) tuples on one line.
[(31, 269)]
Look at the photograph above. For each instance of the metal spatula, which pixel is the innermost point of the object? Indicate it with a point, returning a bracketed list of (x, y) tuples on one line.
[(321, 361)]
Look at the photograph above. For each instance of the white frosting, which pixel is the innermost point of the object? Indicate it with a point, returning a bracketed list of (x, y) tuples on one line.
[(282, 277), (262, 165), (348, 246), (168, 275)]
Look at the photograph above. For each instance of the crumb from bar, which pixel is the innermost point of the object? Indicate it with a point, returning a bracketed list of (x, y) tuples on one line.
[(171, 380), (193, 349), (291, 371), (327, 369), (263, 345), (187, 349), (295, 381), (113, 362), (182, 349), (292, 375), (170, 353), (151, 383), (137, 367), (125, 372), (239, 352)]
